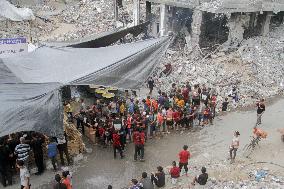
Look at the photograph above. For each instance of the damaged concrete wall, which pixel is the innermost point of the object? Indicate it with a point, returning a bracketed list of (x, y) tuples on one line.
[(237, 24), (196, 27)]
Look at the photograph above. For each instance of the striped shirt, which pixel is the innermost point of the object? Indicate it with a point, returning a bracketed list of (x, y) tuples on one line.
[(22, 151)]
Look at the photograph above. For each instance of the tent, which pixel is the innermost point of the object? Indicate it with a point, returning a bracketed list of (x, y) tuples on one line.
[(30, 84), (103, 39)]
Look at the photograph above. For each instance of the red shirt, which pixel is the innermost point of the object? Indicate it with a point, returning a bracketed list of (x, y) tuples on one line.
[(139, 138), (185, 93), (176, 116), (116, 140), (129, 121), (175, 171), (101, 131), (67, 183), (184, 155)]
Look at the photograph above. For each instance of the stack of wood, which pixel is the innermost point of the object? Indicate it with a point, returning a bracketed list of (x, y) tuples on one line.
[(74, 137)]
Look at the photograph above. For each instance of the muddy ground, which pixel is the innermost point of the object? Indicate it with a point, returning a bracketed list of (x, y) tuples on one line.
[(208, 146)]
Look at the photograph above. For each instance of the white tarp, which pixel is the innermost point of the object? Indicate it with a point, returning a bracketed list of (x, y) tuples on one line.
[(9, 11)]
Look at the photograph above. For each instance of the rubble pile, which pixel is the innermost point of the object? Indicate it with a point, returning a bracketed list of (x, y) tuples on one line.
[(256, 68), (231, 176), (88, 17)]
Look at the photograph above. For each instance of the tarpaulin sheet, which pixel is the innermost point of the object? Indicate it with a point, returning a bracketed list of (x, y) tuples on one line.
[(29, 85), (31, 107), (123, 66), (101, 40)]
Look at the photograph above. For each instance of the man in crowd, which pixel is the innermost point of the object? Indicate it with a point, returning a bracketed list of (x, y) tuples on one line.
[(62, 148), (116, 144), (22, 151), (139, 141), (184, 156), (36, 144), (5, 169)]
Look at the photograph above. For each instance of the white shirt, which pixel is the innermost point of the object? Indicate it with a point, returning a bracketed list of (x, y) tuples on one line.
[(24, 175), (61, 141), (235, 142)]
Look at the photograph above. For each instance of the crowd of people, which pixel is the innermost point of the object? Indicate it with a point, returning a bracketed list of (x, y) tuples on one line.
[(158, 179), (118, 122), (21, 150), (135, 120)]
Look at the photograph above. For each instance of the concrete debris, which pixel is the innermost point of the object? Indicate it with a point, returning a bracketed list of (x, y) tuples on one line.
[(255, 69), (59, 22), (231, 176)]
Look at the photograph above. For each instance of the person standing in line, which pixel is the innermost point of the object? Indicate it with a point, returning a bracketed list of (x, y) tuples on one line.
[(5, 169), (139, 141), (24, 175), (184, 156), (22, 151), (234, 146), (63, 148), (36, 144), (260, 110), (150, 85), (116, 144), (52, 152)]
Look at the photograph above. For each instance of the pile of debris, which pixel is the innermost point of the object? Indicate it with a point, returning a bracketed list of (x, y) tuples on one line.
[(86, 17), (256, 68), (230, 176), (75, 142)]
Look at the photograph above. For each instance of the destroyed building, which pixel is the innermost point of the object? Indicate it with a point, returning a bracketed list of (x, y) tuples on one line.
[(210, 22)]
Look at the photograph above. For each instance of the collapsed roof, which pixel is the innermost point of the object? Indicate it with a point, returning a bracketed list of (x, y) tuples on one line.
[(227, 6), (29, 91)]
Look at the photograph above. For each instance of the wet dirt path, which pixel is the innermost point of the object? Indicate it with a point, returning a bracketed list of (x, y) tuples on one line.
[(205, 145)]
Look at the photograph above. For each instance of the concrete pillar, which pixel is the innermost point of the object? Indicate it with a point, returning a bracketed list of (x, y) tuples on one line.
[(237, 24), (252, 20), (163, 19), (136, 12), (115, 4), (154, 28), (266, 24), (148, 10), (196, 27)]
